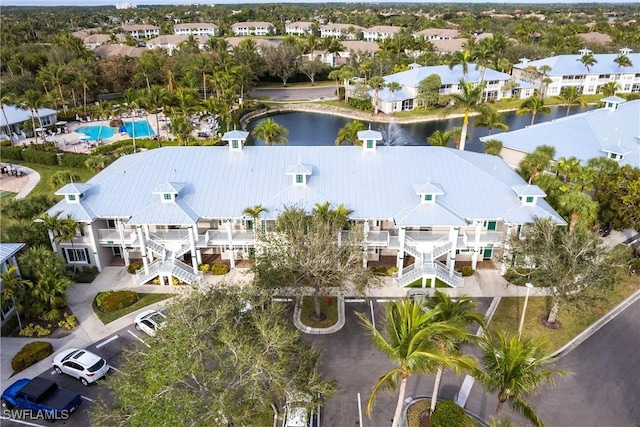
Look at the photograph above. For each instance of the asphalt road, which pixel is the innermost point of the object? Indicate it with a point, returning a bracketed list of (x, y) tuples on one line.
[(295, 94), (604, 390)]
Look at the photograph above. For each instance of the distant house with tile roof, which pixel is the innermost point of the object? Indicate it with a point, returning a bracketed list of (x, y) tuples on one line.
[(108, 50), (596, 37), (341, 31), (174, 208), (380, 32), (567, 71), (203, 29), (172, 42), (438, 34), (405, 99), (612, 131)]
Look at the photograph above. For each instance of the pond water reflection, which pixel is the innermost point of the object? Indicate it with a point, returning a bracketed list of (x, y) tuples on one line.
[(322, 129)]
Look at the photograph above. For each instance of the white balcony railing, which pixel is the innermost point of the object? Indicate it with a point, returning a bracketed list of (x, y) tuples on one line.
[(108, 236)]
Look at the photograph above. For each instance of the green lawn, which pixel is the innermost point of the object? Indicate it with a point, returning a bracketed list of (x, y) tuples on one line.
[(47, 171), (331, 310), (418, 284), (143, 301), (509, 311)]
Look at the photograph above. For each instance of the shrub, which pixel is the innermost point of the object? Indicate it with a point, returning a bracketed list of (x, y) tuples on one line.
[(69, 321), (52, 315), (40, 157), (11, 153), (204, 268), (449, 414), (466, 270), (73, 160), (384, 271), (86, 274), (9, 327), (219, 268), (31, 354), (133, 267), (33, 330), (117, 300)]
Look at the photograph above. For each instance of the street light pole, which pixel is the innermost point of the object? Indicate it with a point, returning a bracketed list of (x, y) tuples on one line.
[(524, 309)]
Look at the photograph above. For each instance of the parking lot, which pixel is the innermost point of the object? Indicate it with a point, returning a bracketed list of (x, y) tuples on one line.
[(347, 356)]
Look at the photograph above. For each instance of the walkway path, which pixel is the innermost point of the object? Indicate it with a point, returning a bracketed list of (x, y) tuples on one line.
[(22, 185)]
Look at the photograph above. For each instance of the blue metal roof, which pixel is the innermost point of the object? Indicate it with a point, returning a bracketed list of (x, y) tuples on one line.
[(7, 250), (15, 115), (584, 136), (570, 65), (414, 76), (220, 183)]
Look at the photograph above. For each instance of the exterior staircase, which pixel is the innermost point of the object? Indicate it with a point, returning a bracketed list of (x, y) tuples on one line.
[(426, 264)]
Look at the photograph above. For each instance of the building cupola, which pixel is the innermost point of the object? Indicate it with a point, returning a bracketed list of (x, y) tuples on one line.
[(236, 139), (528, 193), (428, 191), (168, 191), (369, 139), (299, 173), (612, 102), (73, 192)]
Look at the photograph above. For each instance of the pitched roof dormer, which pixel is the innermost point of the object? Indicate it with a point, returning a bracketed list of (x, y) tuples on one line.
[(612, 102), (168, 191), (528, 193), (369, 139), (73, 192), (299, 172), (428, 192), (236, 139)]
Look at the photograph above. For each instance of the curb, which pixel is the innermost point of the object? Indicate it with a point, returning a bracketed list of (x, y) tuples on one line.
[(319, 331), (580, 338), (404, 422)]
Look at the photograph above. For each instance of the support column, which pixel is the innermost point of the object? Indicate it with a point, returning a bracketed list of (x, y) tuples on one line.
[(366, 247), (400, 258), (505, 250), (454, 232), (232, 261), (123, 251), (476, 245), (94, 247), (192, 243), (143, 249)]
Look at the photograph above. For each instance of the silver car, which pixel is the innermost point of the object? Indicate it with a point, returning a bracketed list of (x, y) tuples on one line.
[(149, 321), (81, 364)]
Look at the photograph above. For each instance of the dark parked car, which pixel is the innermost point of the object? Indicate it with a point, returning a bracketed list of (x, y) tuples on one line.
[(42, 397)]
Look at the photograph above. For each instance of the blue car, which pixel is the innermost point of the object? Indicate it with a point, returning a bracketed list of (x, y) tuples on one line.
[(42, 398)]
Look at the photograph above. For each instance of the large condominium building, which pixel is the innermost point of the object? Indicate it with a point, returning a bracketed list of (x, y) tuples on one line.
[(176, 207), (203, 29), (570, 71), (253, 29), (298, 28), (341, 31), (141, 31)]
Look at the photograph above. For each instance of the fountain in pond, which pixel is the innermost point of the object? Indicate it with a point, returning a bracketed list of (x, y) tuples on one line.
[(394, 134)]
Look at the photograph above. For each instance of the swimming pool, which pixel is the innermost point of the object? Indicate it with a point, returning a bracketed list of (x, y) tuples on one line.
[(142, 129), (95, 132)]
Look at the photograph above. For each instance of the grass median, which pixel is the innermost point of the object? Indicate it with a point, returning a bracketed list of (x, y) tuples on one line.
[(143, 301)]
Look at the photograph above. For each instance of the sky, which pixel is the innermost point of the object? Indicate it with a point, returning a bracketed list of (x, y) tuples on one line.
[(175, 2)]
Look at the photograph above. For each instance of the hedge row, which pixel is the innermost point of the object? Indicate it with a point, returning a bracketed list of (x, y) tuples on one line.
[(40, 157), (31, 354), (72, 160)]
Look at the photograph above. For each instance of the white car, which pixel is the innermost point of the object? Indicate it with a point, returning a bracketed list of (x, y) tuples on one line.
[(81, 364), (149, 321), (298, 414)]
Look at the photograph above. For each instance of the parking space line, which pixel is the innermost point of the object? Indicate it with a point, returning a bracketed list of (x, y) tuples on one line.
[(88, 399), (373, 317), (360, 410), (138, 338), (107, 341), (115, 369)]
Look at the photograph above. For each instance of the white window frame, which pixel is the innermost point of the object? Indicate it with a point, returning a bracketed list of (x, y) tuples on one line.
[(83, 259)]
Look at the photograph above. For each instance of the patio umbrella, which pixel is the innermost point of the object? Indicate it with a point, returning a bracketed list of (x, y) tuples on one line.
[(61, 122), (39, 129)]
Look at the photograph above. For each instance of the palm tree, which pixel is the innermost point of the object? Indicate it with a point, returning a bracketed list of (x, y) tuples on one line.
[(181, 128), (408, 340), (51, 290), (132, 100), (270, 132), (623, 61), (461, 58), (460, 312), (610, 88), (571, 95), (53, 224), (469, 99), (153, 100), (376, 83), (6, 99), (335, 75), (533, 105), (490, 118), (579, 206), (537, 161), (515, 369), (34, 101), (348, 134), (254, 212), (38, 261), (440, 139), (493, 147), (393, 88), (346, 73), (588, 60), (203, 64), (543, 69), (13, 289), (68, 231)]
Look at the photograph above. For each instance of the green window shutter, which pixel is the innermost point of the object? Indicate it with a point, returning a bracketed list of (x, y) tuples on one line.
[(491, 225), (529, 199), (234, 143), (428, 197), (167, 196), (369, 143), (72, 197), (299, 178)]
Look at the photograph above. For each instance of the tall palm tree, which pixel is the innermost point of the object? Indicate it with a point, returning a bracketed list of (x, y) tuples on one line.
[(335, 75), (34, 101), (53, 224), (132, 100), (181, 128), (408, 340), (440, 139), (254, 212), (543, 70), (155, 98), (515, 369), (6, 99), (346, 72), (393, 88), (68, 231), (623, 61), (348, 134), (588, 60), (376, 83), (461, 58), (490, 119), (469, 99), (460, 312), (534, 105), (610, 88), (269, 131), (571, 95), (203, 64)]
